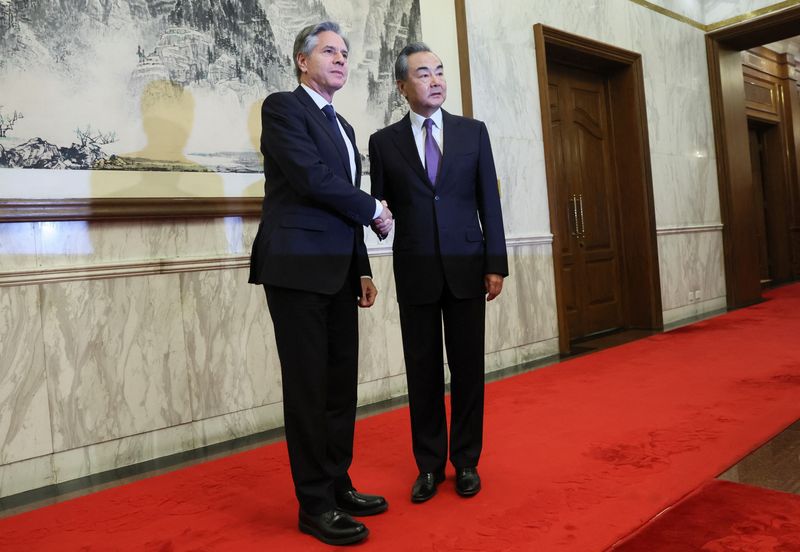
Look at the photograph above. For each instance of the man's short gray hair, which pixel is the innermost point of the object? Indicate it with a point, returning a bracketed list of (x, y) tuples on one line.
[(401, 64), (307, 39)]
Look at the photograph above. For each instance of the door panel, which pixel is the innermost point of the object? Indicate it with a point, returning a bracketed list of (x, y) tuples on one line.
[(586, 196)]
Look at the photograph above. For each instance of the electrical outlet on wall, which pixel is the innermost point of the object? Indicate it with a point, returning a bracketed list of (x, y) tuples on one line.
[(691, 296), (697, 295)]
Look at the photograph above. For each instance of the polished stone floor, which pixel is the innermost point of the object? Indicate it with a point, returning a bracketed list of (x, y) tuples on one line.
[(775, 465)]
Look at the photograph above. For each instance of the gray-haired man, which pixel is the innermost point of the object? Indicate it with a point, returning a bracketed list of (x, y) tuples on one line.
[(310, 256)]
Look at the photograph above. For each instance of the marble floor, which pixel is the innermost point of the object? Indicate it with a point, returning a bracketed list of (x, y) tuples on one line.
[(775, 465)]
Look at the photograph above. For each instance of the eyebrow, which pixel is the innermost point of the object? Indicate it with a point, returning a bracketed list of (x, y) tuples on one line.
[(426, 68), (326, 46)]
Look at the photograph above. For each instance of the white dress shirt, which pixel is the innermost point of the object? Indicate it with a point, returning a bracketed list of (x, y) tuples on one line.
[(419, 131)]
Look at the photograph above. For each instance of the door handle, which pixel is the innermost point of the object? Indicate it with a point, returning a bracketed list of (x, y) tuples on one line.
[(573, 199), (582, 230)]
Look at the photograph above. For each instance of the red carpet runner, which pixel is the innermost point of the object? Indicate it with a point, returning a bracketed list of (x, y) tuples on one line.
[(724, 517), (577, 456)]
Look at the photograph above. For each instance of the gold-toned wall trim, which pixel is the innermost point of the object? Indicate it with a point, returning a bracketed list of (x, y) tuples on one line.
[(752, 14), (719, 24), (670, 13)]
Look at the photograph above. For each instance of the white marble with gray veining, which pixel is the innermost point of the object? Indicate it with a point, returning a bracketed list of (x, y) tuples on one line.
[(126, 451), (230, 343), (70, 243), (685, 190), (115, 357), (715, 11), (26, 475), (213, 237), (688, 262), (17, 246), (218, 429), (24, 408)]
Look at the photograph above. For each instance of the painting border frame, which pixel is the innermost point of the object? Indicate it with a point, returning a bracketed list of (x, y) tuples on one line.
[(106, 208)]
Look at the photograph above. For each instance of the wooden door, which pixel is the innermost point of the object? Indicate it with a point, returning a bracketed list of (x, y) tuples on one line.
[(586, 201), (756, 156)]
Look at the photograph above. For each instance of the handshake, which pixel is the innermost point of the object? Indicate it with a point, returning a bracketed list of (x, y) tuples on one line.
[(383, 224)]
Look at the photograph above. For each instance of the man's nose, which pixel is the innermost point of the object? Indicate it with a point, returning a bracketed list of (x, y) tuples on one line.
[(339, 58)]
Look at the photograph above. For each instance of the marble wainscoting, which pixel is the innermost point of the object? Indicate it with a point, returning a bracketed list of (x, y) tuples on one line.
[(691, 259), (111, 356)]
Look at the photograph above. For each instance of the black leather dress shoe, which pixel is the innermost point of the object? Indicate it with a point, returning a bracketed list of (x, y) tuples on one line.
[(425, 486), (333, 527), (357, 504), (468, 482)]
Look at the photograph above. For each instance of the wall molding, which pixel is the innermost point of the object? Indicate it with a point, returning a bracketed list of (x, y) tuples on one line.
[(120, 270), (707, 27), (689, 229), (49, 275)]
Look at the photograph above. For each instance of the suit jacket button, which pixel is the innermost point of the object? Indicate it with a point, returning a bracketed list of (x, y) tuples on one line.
[(436, 198)]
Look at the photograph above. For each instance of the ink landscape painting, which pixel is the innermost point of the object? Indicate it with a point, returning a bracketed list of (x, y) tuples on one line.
[(176, 85)]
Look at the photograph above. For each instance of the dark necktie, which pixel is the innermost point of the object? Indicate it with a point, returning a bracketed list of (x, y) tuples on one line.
[(432, 153), (330, 114)]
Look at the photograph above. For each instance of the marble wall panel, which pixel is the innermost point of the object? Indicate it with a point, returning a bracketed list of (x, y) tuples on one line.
[(715, 11), (685, 190), (688, 8), (525, 312), (18, 246), (380, 340), (115, 358), (68, 243), (679, 120), (230, 343), (237, 424), (126, 451), (26, 475), (523, 185), (506, 97), (690, 261), (215, 237), (672, 51), (24, 409)]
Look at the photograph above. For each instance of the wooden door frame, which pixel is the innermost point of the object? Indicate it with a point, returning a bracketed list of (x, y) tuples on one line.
[(641, 284), (723, 49)]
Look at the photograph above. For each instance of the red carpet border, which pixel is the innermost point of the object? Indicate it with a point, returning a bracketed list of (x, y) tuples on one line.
[(576, 456)]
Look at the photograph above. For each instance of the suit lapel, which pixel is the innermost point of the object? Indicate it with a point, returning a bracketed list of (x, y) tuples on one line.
[(450, 126), (318, 116), (404, 140), (351, 134)]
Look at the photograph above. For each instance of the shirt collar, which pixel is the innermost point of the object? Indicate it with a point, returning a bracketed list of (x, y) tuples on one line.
[(318, 99), (417, 119)]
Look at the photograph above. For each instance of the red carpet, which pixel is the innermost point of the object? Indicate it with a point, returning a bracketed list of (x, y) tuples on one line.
[(724, 517), (577, 456)]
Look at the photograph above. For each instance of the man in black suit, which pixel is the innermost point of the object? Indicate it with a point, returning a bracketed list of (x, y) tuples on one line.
[(309, 254), (437, 172)]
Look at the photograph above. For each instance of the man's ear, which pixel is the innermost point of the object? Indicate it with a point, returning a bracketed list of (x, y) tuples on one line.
[(401, 87), (301, 62)]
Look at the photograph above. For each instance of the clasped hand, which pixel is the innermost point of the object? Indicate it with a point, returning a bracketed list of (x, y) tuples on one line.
[(383, 224)]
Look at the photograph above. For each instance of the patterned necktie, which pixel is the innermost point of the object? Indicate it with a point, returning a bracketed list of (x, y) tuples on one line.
[(432, 153), (330, 114)]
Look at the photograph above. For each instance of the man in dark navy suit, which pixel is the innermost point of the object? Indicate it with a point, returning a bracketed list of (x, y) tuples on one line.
[(437, 172), (309, 254)]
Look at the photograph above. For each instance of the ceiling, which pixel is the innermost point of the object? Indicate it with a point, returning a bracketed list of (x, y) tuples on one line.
[(790, 45)]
